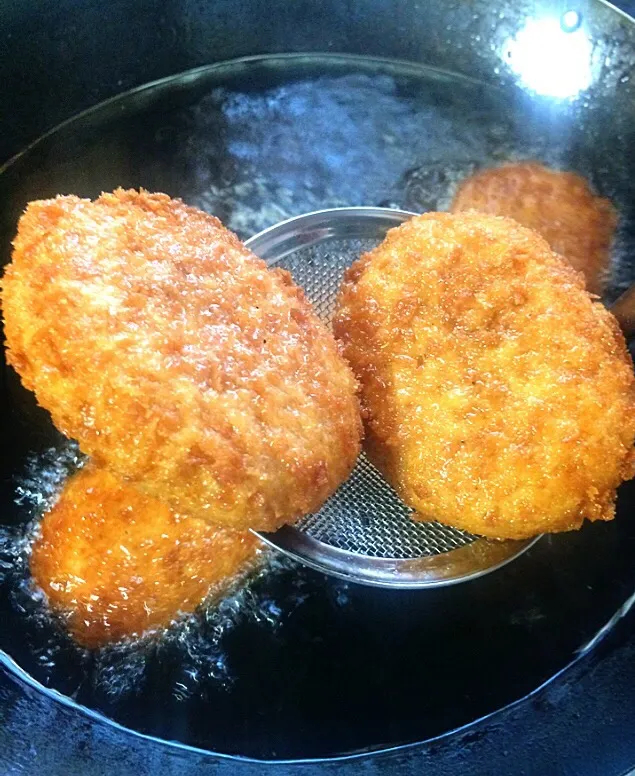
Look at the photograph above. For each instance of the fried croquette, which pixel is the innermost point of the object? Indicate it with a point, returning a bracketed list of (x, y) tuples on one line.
[(116, 563), (178, 360), (560, 206), (500, 398)]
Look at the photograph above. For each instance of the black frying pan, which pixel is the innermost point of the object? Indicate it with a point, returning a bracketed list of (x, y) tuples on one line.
[(310, 667)]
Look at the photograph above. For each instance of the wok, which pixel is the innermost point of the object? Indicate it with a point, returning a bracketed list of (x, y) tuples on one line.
[(529, 670)]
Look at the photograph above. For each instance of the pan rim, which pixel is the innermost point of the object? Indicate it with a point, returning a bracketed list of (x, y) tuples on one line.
[(23, 678)]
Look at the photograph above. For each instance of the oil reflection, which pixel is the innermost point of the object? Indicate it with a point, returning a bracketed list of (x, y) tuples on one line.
[(552, 56)]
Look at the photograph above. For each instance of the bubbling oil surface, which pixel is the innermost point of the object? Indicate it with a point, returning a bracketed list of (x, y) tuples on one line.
[(196, 642), (258, 141)]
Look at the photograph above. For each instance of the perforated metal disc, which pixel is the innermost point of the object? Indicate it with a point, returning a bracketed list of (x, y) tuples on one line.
[(364, 532)]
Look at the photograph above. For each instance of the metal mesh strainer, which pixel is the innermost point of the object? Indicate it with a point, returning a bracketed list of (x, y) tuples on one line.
[(364, 532)]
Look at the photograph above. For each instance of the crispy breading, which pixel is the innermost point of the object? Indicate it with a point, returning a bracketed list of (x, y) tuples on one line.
[(115, 563), (178, 360), (560, 206), (500, 398)]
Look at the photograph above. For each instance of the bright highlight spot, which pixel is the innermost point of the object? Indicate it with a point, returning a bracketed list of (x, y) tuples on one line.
[(571, 20), (550, 60)]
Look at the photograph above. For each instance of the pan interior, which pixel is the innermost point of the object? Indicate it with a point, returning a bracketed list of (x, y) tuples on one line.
[(301, 665)]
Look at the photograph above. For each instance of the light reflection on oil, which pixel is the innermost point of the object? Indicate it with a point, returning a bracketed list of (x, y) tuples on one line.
[(552, 56)]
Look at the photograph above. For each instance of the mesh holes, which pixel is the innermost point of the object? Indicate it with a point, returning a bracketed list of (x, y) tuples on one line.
[(365, 516)]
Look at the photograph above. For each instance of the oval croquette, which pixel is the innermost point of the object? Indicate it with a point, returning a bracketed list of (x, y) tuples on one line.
[(499, 396), (115, 563), (178, 360), (560, 206)]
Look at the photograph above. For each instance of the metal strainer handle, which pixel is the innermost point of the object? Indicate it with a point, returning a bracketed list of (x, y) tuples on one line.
[(623, 308)]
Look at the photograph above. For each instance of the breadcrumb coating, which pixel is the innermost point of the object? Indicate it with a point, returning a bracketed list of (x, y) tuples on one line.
[(178, 360), (115, 563), (499, 396), (560, 206)]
